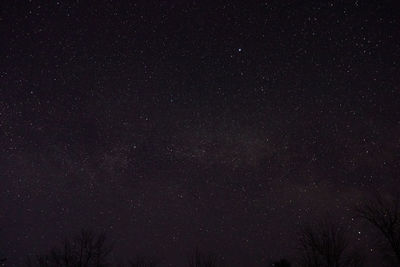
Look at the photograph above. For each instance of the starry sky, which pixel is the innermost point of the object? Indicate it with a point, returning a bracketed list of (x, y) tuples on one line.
[(180, 124)]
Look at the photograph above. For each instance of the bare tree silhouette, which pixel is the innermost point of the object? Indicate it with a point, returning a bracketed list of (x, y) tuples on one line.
[(85, 250), (2, 260), (325, 244), (143, 262), (384, 215), (281, 263), (199, 259)]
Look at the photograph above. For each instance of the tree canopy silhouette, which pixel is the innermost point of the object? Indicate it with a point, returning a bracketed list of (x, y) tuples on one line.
[(86, 249), (384, 215), (325, 244), (143, 262), (200, 259), (281, 263)]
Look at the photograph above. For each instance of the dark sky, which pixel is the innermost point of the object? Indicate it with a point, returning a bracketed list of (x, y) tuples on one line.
[(176, 124)]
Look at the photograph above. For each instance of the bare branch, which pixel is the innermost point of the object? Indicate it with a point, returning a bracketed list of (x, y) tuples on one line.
[(325, 244), (384, 214)]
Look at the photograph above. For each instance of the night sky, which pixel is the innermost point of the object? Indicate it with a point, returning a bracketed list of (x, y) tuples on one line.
[(175, 124)]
